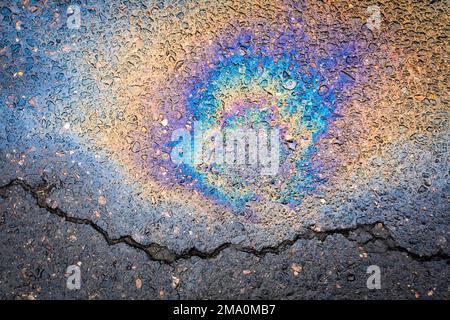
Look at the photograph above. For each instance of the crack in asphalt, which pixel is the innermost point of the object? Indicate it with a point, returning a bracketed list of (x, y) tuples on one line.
[(161, 253)]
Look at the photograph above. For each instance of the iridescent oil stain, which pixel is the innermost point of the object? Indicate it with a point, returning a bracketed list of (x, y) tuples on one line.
[(253, 85), (271, 70)]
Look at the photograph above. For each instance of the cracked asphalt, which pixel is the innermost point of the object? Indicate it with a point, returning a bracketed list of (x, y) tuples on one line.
[(40, 242), (88, 107)]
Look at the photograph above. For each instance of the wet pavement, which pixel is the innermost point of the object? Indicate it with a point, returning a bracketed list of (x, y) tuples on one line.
[(358, 90)]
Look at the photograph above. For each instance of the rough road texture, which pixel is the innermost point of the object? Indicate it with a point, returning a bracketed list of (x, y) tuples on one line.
[(86, 115)]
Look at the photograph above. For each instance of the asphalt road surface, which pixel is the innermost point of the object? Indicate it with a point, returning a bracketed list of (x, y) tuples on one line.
[(101, 103)]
